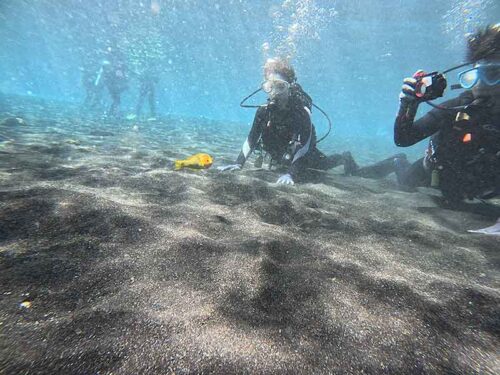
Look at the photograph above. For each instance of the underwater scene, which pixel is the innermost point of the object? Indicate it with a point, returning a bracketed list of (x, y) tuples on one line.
[(249, 187)]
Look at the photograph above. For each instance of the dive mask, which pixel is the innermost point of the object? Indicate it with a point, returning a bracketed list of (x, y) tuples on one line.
[(275, 85), (489, 74)]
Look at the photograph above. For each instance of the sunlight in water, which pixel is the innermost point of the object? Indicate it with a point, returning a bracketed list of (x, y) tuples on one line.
[(464, 17), (296, 22)]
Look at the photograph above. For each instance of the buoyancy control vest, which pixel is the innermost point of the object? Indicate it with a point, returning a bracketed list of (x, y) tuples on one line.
[(465, 158)]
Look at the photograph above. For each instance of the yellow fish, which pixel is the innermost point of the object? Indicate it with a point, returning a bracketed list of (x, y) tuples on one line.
[(198, 161)]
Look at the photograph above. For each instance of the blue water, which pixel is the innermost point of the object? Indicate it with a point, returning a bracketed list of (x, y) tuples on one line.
[(112, 262), (349, 55)]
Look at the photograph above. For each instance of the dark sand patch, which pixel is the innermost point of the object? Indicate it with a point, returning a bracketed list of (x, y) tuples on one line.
[(133, 268)]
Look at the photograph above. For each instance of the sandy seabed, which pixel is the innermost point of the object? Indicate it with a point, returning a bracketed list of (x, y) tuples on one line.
[(132, 268)]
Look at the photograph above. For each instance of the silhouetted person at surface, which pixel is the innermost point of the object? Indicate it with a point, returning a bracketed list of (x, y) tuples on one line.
[(93, 87), (88, 83), (114, 76), (148, 79)]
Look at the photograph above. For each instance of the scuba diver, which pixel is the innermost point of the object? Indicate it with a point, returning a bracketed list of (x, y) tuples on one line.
[(93, 87), (148, 80), (88, 80), (463, 156), (283, 128), (114, 77)]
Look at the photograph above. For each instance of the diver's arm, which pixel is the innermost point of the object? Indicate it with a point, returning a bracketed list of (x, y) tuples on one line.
[(407, 131), (97, 81), (253, 136)]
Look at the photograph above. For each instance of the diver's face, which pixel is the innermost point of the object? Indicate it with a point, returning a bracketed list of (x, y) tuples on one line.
[(278, 90), (482, 88)]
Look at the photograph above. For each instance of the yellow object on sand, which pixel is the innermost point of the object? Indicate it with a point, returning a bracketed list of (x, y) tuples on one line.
[(198, 161)]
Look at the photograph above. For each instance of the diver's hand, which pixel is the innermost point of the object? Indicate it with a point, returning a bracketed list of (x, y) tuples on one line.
[(422, 87), (408, 89), (286, 179), (230, 167)]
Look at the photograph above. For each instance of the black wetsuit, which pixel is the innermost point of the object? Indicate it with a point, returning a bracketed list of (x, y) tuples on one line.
[(88, 82), (463, 152), (115, 80), (148, 81), (289, 137), (93, 89)]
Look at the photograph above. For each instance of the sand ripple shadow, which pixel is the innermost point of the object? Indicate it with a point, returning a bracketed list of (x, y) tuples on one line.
[(232, 193), (51, 237)]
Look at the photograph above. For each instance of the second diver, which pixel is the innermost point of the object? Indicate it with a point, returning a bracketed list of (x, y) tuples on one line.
[(283, 128)]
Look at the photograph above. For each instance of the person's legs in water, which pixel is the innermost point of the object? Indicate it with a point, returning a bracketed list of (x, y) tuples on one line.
[(318, 160), (384, 167), (140, 100), (115, 104), (97, 102), (350, 165), (411, 176), (152, 104), (88, 98)]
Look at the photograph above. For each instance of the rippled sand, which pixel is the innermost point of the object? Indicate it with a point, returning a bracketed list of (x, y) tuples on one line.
[(133, 268)]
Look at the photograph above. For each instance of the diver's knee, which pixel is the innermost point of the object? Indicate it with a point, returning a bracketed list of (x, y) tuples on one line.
[(350, 165)]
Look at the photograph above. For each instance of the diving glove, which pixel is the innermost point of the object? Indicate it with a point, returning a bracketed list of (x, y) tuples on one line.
[(286, 179), (408, 90), (230, 167)]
